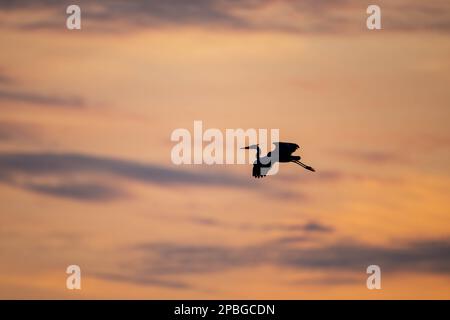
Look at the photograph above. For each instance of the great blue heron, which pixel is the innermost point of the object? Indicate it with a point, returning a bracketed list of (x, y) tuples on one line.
[(282, 153)]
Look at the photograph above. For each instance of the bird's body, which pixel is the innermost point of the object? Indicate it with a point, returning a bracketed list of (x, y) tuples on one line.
[(282, 153)]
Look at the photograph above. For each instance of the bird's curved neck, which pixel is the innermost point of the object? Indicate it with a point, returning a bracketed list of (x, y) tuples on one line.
[(258, 151)]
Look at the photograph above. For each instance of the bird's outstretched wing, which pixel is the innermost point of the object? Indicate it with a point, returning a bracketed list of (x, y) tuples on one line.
[(286, 148)]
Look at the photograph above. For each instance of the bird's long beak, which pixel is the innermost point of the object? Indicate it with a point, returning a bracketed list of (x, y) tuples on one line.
[(245, 148)]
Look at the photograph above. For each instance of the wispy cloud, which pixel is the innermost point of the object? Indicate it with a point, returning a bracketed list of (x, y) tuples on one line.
[(169, 260), (308, 227), (10, 131), (40, 99), (374, 156), (76, 190), (28, 170), (147, 281), (59, 166), (5, 79), (308, 16)]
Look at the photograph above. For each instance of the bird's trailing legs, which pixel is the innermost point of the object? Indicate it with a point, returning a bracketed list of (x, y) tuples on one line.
[(304, 165)]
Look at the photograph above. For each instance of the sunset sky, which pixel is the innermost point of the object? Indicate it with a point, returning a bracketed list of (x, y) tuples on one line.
[(86, 176)]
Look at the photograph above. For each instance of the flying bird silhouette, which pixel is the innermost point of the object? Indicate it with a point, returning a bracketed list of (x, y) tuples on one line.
[(282, 153)]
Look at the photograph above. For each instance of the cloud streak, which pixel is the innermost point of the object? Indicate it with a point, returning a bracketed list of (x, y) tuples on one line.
[(51, 173), (375, 157), (171, 260), (40, 99), (308, 16), (10, 131), (78, 191), (309, 227), (5, 79)]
